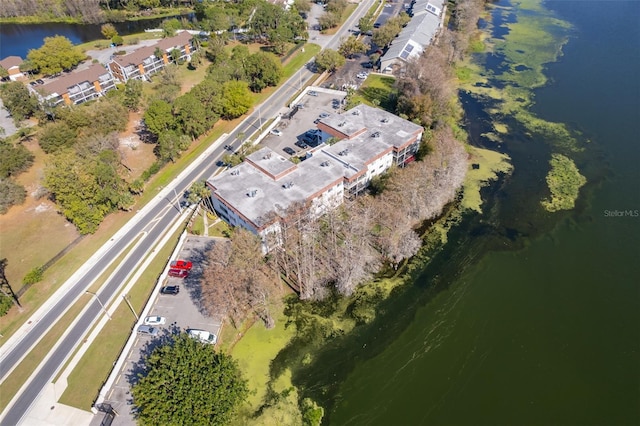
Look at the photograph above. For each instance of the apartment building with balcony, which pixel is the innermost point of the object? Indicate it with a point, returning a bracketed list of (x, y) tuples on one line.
[(146, 61), (76, 87)]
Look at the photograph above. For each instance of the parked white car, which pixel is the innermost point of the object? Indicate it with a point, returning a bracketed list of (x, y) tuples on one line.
[(276, 132), (203, 336), (362, 75), (155, 320)]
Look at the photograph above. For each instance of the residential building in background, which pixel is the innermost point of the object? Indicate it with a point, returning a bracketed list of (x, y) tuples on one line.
[(427, 18), (143, 62), (12, 65)]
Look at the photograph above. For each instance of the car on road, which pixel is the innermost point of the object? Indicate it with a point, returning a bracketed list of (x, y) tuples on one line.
[(147, 330), (276, 132), (312, 93), (170, 289), (203, 336), (178, 273), (155, 320), (181, 264), (289, 150)]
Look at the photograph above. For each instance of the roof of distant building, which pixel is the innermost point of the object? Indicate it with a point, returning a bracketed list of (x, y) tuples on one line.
[(138, 56), (417, 34), (10, 62)]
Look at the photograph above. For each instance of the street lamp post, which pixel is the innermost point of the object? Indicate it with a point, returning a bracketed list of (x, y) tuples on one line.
[(100, 302), (125, 297)]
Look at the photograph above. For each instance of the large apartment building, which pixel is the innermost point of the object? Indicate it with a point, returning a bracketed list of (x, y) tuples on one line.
[(76, 87), (256, 193), (142, 63)]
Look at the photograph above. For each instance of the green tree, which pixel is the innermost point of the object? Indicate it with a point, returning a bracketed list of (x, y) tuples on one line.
[(169, 27), (336, 7), (14, 158), (235, 100), (158, 118), (3, 73), (329, 60), (188, 382), (56, 55), (86, 188), (190, 115), (263, 70), (196, 60), (366, 23), (132, 94), (19, 102), (56, 136), (11, 194), (170, 145), (352, 45), (328, 20), (117, 40), (108, 31)]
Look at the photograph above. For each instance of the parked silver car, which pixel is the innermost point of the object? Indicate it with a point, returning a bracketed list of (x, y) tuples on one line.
[(147, 330)]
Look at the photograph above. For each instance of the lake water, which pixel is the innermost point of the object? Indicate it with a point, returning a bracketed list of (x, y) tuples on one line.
[(18, 39), (525, 318)]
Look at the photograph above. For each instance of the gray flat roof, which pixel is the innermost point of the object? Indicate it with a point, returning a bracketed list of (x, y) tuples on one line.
[(305, 179), (393, 130)]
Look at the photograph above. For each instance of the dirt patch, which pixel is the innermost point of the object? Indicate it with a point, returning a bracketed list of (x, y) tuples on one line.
[(137, 155)]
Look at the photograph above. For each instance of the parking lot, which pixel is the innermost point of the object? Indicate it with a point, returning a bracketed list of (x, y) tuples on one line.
[(309, 108), (182, 311)]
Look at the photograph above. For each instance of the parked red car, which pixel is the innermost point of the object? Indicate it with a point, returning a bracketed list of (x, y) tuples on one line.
[(181, 264), (178, 273)]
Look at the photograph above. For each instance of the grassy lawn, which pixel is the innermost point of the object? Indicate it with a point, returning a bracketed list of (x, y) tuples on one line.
[(197, 226), (86, 379), (377, 90), (220, 229)]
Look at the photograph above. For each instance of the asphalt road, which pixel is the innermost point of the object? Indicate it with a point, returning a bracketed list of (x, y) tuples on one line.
[(154, 222)]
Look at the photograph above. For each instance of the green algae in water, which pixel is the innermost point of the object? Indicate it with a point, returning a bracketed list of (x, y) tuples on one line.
[(535, 39), (564, 180)]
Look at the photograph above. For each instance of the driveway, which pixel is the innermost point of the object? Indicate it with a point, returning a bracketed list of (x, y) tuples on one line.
[(6, 122)]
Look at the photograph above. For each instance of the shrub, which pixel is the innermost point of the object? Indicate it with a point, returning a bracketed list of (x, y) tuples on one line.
[(33, 276), (5, 304)]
